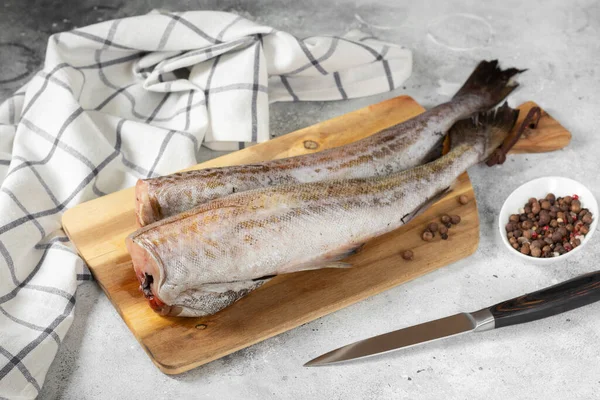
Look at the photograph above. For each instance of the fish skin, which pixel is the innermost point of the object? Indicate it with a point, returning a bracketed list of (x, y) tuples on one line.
[(234, 240), (394, 149)]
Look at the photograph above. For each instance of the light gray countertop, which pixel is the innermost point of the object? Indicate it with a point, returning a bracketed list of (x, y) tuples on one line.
[(557, 357)]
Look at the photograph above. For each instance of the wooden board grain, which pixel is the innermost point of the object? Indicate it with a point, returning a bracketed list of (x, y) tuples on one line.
[(98, 229)]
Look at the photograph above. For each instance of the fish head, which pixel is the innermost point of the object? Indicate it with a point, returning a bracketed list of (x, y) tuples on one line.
[(147, 272)]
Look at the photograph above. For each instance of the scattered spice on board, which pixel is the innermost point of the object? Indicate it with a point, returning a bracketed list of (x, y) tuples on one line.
[(549, 227), (446, 222), (433, 227), (407, 255), (427, 235)]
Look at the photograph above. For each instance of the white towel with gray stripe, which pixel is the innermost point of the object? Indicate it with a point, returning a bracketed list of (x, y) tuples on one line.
[(133, 98)]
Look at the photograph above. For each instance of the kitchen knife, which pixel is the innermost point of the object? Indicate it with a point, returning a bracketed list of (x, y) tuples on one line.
[(574, 293)]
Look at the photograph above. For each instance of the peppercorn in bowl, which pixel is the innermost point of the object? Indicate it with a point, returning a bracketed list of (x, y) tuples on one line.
[(548, 219)]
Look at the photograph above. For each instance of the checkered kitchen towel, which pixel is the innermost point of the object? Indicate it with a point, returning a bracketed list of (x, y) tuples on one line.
[(134, 98)]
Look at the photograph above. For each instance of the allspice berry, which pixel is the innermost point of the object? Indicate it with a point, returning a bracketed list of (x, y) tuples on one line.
[(544, 218), (446, 218), (535, 251), (433, 227), (576, 206), (407, 255), (463, 199), (525, 249), (427, 236), (569, 227), (455, 219), (545, 204), (443, 230), (557, 237), (537, 243)]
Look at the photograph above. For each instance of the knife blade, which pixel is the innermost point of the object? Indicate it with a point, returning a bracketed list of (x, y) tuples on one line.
[(565, 296)]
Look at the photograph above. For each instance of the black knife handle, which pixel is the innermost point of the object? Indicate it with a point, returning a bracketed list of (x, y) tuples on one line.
[(565, 296)]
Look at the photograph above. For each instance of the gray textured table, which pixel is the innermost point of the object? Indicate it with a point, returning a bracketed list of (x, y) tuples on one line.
[(553, 358)]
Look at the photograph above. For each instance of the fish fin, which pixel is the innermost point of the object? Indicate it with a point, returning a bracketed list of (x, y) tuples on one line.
[(338, 264), (329, 260), (262, 278), (486, 131), (312, 265), (352, 251), (489, 83), (425, 205), (321, 265)]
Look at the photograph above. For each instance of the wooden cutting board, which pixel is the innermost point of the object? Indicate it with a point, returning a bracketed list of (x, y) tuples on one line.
[(98, 229)]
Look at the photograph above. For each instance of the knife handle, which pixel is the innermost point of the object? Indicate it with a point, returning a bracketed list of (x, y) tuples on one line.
[(565, 296)]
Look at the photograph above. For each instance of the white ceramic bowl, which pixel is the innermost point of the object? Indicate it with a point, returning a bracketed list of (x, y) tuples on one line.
[(539, 188)]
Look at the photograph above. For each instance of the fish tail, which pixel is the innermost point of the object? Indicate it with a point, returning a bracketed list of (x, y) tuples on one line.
[(485, 131), (488, 85)]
